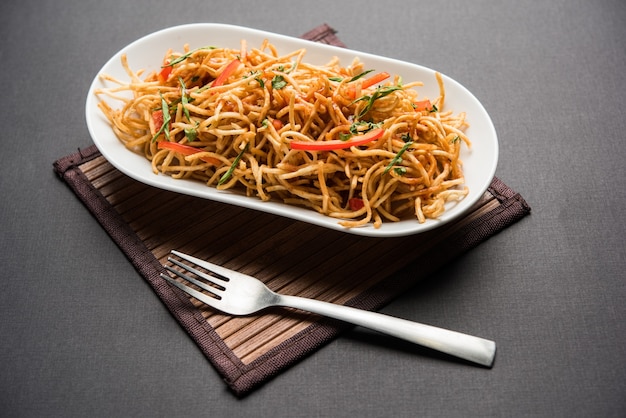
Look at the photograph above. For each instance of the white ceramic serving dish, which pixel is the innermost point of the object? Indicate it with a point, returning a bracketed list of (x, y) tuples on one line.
[(147, 53)]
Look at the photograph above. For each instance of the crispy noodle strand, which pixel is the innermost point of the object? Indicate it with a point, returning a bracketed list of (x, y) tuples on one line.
[(242, 129)]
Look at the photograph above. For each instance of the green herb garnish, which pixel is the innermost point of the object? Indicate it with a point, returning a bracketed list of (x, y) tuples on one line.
[(362, 127), (256, 76), (191, 134), (183, 97), (185, 56), (165, 126), (398, 158), (283, 69), (378, 94), (356, 77), (278, 82), (230, 171), (359, 127)]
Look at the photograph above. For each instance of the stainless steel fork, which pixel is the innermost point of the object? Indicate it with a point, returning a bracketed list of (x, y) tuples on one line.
[(239, 294)]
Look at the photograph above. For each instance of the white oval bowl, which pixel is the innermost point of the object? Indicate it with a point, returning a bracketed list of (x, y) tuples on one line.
[(479, 162)]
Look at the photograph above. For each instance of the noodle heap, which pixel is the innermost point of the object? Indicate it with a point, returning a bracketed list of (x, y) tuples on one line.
[(232, 118)]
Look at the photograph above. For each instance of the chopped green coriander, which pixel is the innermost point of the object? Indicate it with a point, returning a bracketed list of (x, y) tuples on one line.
[(359, 127), (256, 75), (363, 126), (278, 82), (286, 69)]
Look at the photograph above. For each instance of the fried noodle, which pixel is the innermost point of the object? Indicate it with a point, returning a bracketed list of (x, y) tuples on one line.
[(237, 112)]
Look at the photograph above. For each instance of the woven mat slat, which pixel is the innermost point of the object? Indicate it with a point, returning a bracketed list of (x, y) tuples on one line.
[(289, 256)]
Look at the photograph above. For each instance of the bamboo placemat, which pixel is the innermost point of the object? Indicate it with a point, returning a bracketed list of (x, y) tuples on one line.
[(290, 256)]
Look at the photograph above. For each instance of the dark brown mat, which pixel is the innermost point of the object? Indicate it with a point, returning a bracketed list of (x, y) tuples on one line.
[(290, 256)]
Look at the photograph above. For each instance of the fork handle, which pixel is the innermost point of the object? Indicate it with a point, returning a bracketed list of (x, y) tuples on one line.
[(467, 347)]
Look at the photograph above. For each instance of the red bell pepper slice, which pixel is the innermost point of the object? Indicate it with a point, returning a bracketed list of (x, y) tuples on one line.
[(187, 150), (423, 105), (230, 68), (157, 118), (375, 79), (165, 72), (370, 136), (278, 124), (356, 203)]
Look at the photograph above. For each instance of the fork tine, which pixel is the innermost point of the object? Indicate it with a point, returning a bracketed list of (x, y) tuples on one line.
[(211, 301), (200, 284), (211, 277), (208, 277), (220, 271)]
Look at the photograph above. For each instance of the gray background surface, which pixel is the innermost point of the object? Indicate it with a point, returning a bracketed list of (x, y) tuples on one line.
[(82, 335)]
